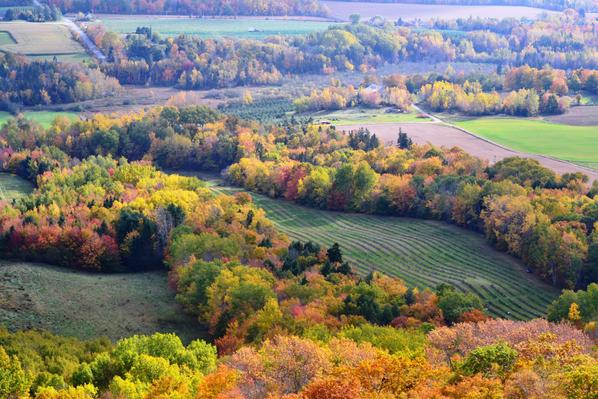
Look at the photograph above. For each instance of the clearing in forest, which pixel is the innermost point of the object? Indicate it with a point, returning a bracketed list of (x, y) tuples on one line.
[(13, 187), (44, 118), (90, 305), (40, 41), (423, 253)]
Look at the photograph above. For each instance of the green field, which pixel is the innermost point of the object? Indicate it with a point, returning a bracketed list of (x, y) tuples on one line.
[(12, 186), (41, 41), (89, 305), (5, 38), (44, 118), (250, 28), (423, 253), (355, 116), (577, 144)]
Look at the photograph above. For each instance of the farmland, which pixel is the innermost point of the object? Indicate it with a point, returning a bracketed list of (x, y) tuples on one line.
[(354, 116), (572, 143), (342, 9), (89, 305), (12, 186), (40, 41), (44, 118), (423, 253), (447, 135), (246, 28)]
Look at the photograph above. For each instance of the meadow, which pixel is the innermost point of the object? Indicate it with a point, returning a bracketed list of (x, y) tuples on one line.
[(576, 144), (394, 11), (355, 116), (44, 118), (422, 253), (246, 28), (12, 186), (41, 41), (89, 305)]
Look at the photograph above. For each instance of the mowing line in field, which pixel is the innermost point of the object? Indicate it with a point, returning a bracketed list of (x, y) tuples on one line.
[(422, 253)]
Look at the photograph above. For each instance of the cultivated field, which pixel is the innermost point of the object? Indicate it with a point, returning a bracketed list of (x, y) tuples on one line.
[(44, 118), (89, 305), (423, 253), (577, 144), (12, 186), (449, 136), (359, 115), (40, 40), (579, 116), (343, 10), (251, 28)]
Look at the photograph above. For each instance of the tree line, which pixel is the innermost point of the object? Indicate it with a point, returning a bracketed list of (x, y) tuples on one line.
[(27, 83), (192, 63), (195, 7)]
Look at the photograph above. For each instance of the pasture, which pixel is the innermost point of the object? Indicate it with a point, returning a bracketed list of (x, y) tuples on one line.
[(44, 118), (89, 305), (246, 28), (421, 252), (355, 116), (13, 187), (578, 144), (394, 11), (40, 41)]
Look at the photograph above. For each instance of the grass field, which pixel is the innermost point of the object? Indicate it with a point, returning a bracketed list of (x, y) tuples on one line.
[(394, 11), (89, 305), (40, 40), (423, 253), (12, 186), (44, 118), (578, 144), (252, 28), (355, 116), (6, 38)]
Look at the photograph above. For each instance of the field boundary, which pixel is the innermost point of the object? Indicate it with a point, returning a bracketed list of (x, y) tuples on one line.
[(592, 173), (10, 35)]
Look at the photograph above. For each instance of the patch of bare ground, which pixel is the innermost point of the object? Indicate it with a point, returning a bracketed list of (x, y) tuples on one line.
[(579, 116), (448, 136)]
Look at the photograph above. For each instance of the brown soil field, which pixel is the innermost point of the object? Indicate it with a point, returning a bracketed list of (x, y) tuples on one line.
[(447, 136), (580, 116), (393, 11)]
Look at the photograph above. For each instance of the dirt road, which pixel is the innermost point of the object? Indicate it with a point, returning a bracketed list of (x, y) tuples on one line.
[(445, 135)]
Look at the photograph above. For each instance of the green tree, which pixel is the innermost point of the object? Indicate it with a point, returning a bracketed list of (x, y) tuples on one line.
[(14, 381), (491, 360)]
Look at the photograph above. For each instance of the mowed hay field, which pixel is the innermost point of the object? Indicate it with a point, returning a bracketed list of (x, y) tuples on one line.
[(423, 253), (355, 116), (249, 28), (88, 305), (13, 187), (578, 144), (40, 40), (44, 118)]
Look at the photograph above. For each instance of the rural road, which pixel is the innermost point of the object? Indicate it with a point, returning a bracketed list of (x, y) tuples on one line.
[(86, 40), (77, 32), (443, 134)]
